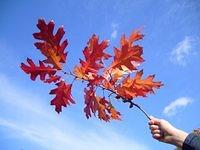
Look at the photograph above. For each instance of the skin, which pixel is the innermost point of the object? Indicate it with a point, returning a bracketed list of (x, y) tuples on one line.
[(163, 131)]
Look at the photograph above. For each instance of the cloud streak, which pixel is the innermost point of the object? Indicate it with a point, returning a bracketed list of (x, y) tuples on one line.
[(182, 51), (114, 27), (175, 105), (34, 122)]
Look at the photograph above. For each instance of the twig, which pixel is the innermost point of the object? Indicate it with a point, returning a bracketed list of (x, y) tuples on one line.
[(136, 105)]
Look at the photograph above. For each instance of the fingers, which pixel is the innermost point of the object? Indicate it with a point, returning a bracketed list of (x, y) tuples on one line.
[(157, 136), (153, 127), (154, 120), (155, 132)]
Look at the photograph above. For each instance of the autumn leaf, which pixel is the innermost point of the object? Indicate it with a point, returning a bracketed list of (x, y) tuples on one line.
[(106, 106), (94, 55), (96, 104), (35, 71), (134, 87), (63, 96), (115, 115), (91, 106), (51, 45), (94, 51), (135, 36), (102, 109), (128, 54)]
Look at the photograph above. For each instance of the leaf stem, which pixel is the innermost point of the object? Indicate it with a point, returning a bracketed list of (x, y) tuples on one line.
[(142, 110), (136, 105)]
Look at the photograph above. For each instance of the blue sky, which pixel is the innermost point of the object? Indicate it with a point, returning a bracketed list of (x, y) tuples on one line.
[(171, 51)]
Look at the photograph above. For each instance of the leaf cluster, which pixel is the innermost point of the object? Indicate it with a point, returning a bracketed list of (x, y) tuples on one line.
[(121, 78)]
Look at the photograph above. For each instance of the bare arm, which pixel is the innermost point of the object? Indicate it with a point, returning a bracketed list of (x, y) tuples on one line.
[(163, 131)]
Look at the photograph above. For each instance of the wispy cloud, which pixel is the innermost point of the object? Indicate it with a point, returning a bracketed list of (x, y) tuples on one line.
[(173, 107), (182, 51), (114, 34), (28, 119), (114, 27)]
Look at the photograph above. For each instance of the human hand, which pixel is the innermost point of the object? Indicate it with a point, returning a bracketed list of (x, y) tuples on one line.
[(163, 131)]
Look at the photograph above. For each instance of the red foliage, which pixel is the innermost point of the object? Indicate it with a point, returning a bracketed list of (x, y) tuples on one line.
[(63, 96), (116, 79), (99, 104), (50, 45), (40, 70), (128, 54)]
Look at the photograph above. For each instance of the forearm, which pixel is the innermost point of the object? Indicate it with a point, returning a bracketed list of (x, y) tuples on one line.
[(178, 138)]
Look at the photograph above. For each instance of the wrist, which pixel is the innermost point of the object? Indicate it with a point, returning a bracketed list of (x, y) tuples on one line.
[(179, 137)]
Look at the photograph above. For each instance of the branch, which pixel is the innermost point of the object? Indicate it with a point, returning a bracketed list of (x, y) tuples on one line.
[(136, 105), (113, 92)]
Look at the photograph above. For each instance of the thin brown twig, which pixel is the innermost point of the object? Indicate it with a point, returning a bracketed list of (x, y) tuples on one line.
[(136, 105)]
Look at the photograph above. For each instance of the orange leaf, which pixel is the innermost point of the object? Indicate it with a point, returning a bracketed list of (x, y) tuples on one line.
[(115, 115), (128, 55), (94, 56), (96, 104), (133, 87)]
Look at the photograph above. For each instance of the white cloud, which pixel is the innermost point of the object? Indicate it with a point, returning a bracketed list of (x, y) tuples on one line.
[(173, 107), (27, 118), (182, 51), (114, 27)]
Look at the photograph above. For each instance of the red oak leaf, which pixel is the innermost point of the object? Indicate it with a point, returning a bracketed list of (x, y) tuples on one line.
[(51, 46), (135, 36), (40, 70), (134, 87), (96, 104), (94, 56), (94, 51), (128, 55), (90, 102), (106, 107), (63, 96)]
